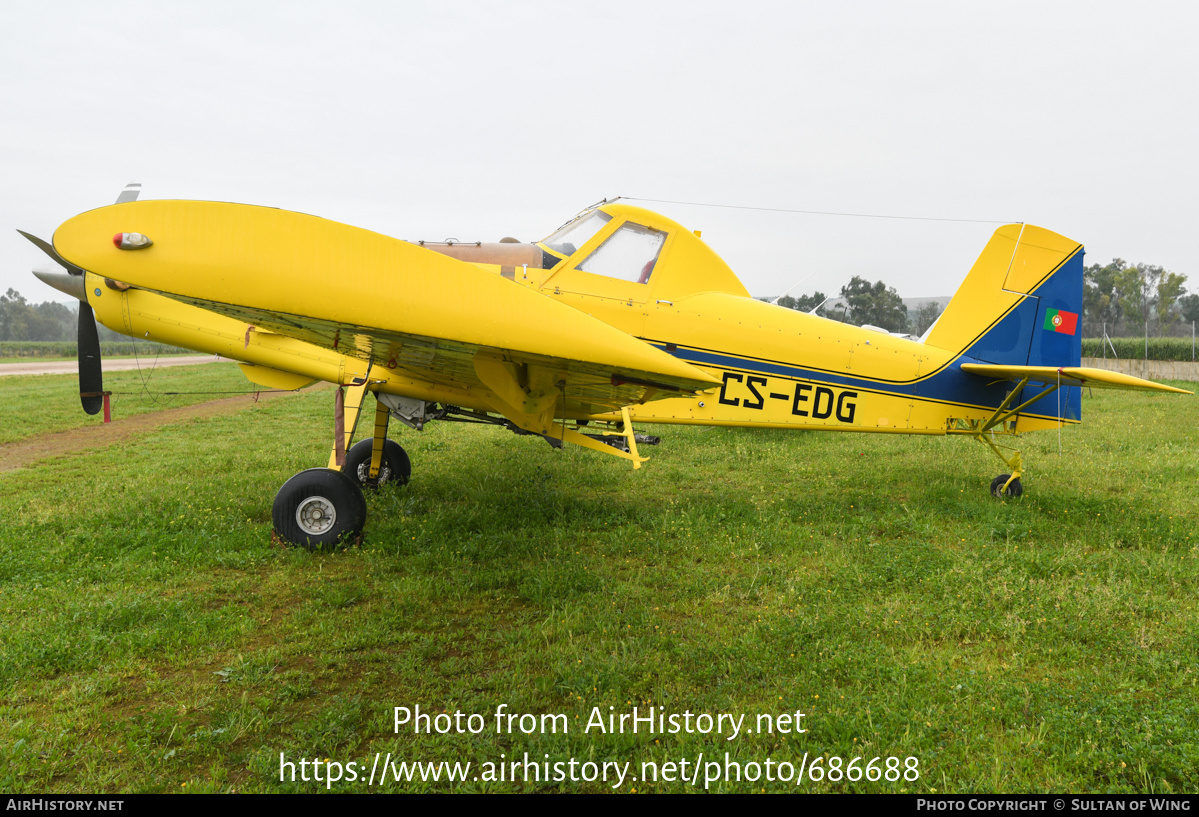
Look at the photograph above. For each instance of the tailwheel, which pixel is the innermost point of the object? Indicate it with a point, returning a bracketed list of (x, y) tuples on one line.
[(1006, 486), (319, 507), (394, 469)]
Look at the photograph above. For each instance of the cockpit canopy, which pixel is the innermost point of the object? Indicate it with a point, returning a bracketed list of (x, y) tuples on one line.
[(614, 251), (620, 251)]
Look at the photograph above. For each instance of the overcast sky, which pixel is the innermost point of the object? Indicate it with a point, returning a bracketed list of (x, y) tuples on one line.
[(480, 120)]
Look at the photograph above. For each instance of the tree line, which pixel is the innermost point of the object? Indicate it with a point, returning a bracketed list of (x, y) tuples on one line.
[(1121, 296), (1125, 297), (868, 304), (21, 320)]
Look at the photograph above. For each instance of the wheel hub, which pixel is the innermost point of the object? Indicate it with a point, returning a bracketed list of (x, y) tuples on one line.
[(316, 515), (364, 473)]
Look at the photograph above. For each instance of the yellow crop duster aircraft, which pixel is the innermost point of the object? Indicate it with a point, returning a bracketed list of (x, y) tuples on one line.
[(620, 317)]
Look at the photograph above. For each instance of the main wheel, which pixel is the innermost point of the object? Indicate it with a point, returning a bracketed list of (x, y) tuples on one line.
[(319, 507), (1014, 490), (395, 468)]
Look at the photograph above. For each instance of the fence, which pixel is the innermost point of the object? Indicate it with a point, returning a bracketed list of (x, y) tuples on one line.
[(1148, 369), (1177, 328), (1145, 347)]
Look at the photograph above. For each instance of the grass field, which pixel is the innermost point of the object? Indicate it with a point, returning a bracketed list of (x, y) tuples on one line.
[(153, 639), (40, 404)]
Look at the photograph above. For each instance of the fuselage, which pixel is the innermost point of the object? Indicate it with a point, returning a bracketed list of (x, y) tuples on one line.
[(779, 368), (632, 270)]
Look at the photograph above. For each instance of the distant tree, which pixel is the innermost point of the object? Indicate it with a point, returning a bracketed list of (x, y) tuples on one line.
[(21, 320), (1169, 288), (12, 316), (924, 316), (1100, 302), (875, 304), (1189, 305), (1132, 291), (805, 303), (1117, 292)]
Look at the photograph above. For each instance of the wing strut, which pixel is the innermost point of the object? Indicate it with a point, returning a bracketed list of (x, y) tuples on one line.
[(1003, 414), (569, 435)]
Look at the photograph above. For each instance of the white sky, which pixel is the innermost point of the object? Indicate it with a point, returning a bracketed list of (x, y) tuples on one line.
[(480, 120)]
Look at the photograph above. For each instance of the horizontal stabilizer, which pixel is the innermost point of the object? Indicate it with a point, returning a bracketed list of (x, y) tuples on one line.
[(1067, 376)]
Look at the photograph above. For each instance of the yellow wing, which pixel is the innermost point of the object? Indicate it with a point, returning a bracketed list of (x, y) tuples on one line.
[(420, 314)]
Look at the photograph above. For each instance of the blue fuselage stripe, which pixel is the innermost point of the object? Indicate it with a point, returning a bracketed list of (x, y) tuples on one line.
[(950, 385)]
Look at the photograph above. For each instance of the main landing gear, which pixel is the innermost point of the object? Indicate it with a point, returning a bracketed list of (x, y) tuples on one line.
[(324, 507)]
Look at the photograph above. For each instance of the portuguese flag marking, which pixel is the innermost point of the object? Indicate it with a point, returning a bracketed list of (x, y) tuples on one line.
[(1059, 320)]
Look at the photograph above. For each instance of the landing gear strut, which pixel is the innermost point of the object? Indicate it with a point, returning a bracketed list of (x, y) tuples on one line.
[(378, 460), (1004, 418), (1006, 486), (324, 506)]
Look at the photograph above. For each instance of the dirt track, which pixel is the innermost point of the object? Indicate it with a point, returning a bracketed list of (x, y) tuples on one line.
[(24, 453)]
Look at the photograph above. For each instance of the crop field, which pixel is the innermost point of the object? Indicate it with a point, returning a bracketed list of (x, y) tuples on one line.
[(1141, 348), (153, 639), (67, 350)]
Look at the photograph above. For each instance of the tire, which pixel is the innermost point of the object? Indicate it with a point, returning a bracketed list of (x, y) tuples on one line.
[(1014, 491), (319, 508), (394, 470)]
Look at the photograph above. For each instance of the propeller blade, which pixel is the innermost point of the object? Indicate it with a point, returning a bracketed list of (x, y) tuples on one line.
[(48, 249), (130, 193), (91, 379)]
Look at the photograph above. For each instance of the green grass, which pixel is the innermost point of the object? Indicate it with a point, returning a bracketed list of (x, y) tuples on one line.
[(38, 404), (152, 639)]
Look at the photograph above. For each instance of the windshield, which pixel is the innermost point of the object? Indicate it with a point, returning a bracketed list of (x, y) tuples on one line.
[(576, 233), (629, 253)]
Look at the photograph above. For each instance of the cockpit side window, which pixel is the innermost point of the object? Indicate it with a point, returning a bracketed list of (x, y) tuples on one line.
[(577, 233), (629, 254)]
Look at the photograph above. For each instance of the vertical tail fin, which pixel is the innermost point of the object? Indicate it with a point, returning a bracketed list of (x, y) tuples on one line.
[(1021, 304)]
